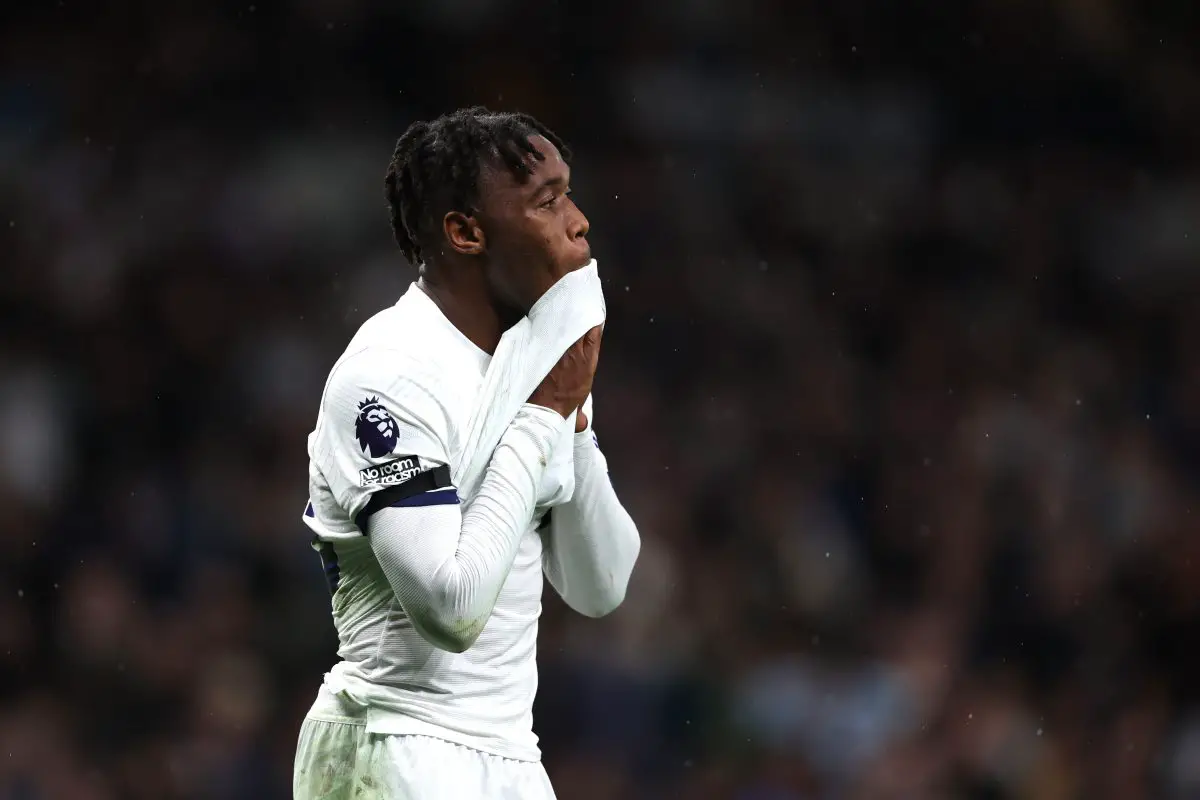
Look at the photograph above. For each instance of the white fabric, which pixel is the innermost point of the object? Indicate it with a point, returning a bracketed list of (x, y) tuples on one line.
[(337, 759), (592, 542), (411, 373), (526, 354), (447, 566)]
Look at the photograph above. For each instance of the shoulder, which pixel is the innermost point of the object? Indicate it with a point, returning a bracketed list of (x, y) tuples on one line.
[(378, 426), (390, 355), (376, 386), (388, 386)]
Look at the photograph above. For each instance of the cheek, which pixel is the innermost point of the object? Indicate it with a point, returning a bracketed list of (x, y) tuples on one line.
[(550, 235), (535, 249)]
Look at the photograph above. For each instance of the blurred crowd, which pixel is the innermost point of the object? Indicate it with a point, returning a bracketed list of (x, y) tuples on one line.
[(899, 381)]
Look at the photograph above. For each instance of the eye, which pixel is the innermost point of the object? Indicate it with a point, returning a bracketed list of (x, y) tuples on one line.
[(552, 200)]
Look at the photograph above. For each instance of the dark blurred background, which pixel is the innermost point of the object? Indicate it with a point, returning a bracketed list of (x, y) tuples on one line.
[(900, 382)]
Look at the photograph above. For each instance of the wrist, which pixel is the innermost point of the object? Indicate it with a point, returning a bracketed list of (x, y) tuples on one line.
[(535, 430), (558, 413), (541, 414), (586, 452), (546, 420)]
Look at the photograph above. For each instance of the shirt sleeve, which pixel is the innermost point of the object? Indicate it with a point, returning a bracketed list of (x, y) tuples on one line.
[(591, 542), (380, 441), (446, 565)]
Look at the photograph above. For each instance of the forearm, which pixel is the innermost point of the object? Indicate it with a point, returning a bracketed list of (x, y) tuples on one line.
[(593, 542), (447, 565)]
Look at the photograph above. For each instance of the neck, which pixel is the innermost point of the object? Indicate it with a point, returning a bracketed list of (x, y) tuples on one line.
[(467, 304)]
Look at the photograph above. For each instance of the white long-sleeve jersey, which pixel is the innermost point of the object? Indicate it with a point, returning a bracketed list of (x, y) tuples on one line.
[(436, 597)]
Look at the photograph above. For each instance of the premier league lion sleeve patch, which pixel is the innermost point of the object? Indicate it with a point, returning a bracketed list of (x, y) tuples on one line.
[(377, 433), (375, 428), (381, 443)]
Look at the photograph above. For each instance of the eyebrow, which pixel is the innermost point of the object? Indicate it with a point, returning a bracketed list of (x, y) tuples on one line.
[(557, 180)]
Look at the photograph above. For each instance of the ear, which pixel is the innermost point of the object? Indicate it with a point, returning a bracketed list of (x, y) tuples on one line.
[(464, 233)]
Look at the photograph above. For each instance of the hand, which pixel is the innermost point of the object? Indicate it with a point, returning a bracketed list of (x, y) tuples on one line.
[(570, 382)]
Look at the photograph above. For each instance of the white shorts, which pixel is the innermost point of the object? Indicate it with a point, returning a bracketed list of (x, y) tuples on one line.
[(336, 759)]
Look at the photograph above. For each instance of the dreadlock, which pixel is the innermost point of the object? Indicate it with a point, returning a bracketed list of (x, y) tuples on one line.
[(435, 167)]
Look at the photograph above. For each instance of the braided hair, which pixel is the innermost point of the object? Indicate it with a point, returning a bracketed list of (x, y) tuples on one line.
[(435, 167)]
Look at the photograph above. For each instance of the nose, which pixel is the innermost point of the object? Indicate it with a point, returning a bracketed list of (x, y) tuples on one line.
[(578, 228)]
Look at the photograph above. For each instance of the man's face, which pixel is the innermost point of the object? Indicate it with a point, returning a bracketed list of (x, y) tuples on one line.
[(535, 232)]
